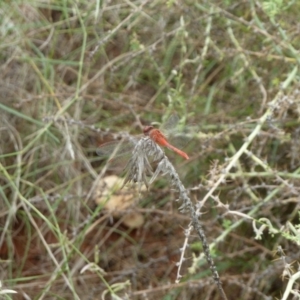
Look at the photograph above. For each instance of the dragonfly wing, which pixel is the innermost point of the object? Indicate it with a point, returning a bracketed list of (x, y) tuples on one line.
[(117, 153), (176, 131), (171, 124), (115, 148)]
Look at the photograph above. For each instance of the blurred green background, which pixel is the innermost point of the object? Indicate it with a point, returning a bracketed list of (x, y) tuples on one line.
[(78, 74)]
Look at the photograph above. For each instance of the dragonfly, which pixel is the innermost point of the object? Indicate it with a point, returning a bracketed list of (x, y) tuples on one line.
[(159, 138), (119, 151)]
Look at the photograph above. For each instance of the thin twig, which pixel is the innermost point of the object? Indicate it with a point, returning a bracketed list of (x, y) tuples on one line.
[(137, 170)]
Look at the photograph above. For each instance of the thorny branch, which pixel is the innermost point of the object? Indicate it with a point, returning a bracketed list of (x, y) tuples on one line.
[(137, 170)]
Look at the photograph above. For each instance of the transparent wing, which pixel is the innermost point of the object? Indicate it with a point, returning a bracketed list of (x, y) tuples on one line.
[(171, 124), (177, 132), (116, 153), (115, 148)]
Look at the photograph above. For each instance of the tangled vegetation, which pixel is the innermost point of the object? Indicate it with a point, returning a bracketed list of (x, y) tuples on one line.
[(76, 75)]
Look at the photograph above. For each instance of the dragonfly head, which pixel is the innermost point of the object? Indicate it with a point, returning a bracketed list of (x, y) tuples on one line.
[(147, 129)]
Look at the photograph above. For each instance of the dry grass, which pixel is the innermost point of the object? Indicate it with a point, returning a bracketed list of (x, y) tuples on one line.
[(78, 74)]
